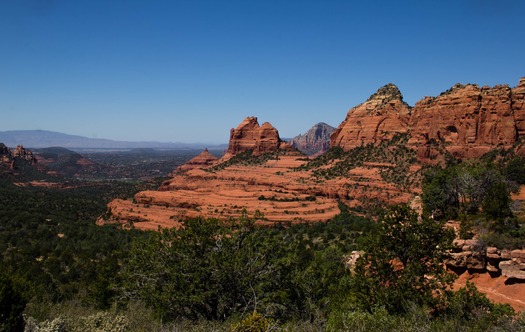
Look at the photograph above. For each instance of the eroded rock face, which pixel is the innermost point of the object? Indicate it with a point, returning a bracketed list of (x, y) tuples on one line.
[(249, 136), (474, 255), (515, 266), (315, 141), (467, 120), (469, 254), (383, 115)]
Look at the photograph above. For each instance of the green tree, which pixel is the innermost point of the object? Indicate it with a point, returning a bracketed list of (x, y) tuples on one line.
[(496, 202), (440, 193), (403, 263), (12, 305), (206, 269), (515, 170), (464, 188)]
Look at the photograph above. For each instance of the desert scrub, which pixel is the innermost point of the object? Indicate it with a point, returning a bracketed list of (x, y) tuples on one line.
[(340, 162)]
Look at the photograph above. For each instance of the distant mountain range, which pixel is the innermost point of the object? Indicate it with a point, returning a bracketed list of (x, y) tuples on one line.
[(44, 139)]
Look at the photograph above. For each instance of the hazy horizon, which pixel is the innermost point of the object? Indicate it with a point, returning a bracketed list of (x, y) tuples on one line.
[(177, 71)]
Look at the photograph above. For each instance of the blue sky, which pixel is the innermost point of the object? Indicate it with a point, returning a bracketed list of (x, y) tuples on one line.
[(188, 71)]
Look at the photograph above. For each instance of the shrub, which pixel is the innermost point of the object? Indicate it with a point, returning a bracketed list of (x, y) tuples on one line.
[(254, 322)]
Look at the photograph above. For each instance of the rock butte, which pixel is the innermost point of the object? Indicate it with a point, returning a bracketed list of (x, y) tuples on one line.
[(249, 136)]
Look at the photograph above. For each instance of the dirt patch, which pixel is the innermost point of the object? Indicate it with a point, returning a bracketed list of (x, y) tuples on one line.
[(497, 288)]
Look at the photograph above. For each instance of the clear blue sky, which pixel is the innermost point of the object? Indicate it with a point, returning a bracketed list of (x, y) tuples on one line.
[(188, 71)]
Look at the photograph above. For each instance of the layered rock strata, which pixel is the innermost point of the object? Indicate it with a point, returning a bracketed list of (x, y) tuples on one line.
[(474, 255)]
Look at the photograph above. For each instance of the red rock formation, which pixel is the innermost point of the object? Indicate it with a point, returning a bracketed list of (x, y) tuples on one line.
[(380, 117), (203, 159), (469, 120), (9, 157), (21, 152), (518, 108), (249, 136), (466, 120)]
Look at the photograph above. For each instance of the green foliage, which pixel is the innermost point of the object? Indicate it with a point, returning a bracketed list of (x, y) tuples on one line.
[(468, 303), (254, 322), (496, 203), (478, 193), (440, 196), (403, 263), (206, 269), (514, 170), (362, 321), (48, 237), (417, 319), (101, 321), (464, 188), (212, 269), (12, 304)]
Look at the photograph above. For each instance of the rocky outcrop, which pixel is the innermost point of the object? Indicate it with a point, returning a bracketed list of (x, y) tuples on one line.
[(10, 158), (249, 136), (315, 141), (203, 159), (383, 115), (469, 254), (5, 154), (467, 120), (515, 266), (21, 152), (474, 255)]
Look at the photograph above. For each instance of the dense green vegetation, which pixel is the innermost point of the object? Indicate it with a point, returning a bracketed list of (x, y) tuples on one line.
[(48, 238), (478, 194), (66, 274)]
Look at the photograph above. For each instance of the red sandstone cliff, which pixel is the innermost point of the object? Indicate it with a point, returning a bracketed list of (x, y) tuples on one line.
[(466, 120), (380, 117)]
